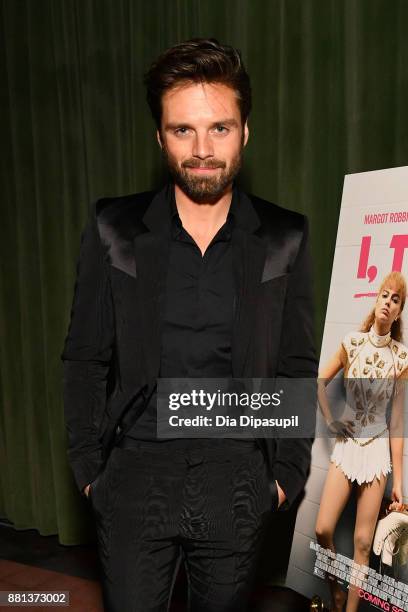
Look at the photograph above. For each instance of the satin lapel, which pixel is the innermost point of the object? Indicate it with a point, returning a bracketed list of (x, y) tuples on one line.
[(151, 253), (248, 253)]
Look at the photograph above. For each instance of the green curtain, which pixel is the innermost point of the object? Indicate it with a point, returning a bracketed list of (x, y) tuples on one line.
[(330, 87)]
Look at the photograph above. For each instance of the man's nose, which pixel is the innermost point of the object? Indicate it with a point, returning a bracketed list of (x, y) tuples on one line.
[(203, 146)]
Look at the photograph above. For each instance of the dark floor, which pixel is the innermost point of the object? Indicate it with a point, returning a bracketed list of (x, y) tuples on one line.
[(30, 561)]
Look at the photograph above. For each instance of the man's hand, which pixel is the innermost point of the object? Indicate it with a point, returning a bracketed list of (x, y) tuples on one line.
[(86, 490), (281, 494)]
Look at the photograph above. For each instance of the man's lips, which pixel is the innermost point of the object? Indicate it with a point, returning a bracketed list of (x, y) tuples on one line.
[(202, 169)]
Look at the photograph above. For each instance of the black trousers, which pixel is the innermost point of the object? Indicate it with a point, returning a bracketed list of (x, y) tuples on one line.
[(200, 502)]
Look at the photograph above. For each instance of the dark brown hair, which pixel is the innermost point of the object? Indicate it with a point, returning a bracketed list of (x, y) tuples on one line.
[(195, 61)]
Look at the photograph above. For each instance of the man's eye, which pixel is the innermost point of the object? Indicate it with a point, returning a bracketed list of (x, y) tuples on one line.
[(181, 131), (221, 129)]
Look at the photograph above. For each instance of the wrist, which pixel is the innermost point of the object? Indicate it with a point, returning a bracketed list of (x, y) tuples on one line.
[(281, 494), (85, 490)]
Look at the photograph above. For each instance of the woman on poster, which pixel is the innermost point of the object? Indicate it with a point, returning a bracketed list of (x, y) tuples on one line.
[(374, 361)]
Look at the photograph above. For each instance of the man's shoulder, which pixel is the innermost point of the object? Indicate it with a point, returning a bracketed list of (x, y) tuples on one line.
[(275, 218), (120, 218), (131, 206)]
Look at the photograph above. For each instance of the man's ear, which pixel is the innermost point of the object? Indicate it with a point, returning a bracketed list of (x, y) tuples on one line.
[(159, 139), (246, 132)]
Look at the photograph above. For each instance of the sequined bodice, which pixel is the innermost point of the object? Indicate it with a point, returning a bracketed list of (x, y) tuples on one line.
[(373, 364)]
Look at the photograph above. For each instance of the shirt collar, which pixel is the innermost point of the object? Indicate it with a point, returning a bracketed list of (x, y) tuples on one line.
[(223, 234), (161, 210)]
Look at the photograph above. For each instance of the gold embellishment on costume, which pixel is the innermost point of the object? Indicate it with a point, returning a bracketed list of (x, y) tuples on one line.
[(370, 439), (366, 371), (379, 373), (395, 348), (381, 364), (379, 341), (352, 353), (375, 357), (361, 341), (400, 365), (353, 341), (402, 355), (366, 416), (369, 360)]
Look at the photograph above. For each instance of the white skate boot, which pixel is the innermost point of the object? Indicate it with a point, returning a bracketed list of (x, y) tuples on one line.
[(389, 530)]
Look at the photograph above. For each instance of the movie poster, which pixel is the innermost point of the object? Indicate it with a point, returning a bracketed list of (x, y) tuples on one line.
[(372, 241)]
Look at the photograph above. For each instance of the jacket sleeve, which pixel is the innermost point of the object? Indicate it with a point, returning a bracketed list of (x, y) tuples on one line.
[(297, 359), (87, 356)]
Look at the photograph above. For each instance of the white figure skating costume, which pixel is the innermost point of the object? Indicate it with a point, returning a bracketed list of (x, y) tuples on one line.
[(372, 364)]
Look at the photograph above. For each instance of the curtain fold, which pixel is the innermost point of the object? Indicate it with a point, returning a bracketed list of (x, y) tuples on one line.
[(330, 92)]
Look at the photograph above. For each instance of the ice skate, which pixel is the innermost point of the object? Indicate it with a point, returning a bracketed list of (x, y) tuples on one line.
[(389, 529)]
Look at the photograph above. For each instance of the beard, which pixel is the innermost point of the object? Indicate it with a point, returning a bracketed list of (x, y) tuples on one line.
[(203, 189)]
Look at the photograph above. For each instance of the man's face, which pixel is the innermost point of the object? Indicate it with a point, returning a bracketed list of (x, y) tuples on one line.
[(202, 138)]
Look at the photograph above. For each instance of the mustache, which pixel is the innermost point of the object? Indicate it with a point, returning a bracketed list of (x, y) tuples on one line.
[(196, 163)]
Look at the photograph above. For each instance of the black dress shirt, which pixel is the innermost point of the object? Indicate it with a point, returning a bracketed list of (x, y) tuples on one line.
[(198, 311)]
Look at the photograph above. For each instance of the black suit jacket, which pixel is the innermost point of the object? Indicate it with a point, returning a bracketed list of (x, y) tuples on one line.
[(111, 354)]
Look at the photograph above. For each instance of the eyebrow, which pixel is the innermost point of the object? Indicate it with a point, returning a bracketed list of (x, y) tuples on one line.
[(226, 122), (393, 293)]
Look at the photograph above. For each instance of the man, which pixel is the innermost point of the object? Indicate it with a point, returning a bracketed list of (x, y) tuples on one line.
[(196, 280)]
